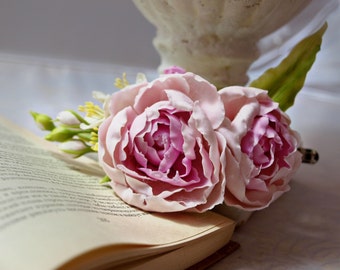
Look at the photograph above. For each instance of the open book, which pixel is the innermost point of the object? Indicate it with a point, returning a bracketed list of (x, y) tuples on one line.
[(54, 214)]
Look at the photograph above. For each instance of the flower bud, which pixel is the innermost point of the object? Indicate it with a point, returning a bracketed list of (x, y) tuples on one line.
[(43, 121), (69, 118), (61, 134), (174, 70), (75, 148)]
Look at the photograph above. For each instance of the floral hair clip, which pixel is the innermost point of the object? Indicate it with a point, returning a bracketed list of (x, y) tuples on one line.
[(177, 143)]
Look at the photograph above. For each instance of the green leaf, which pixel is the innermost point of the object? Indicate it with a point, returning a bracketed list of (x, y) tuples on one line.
[(286, 80), (105, 179)]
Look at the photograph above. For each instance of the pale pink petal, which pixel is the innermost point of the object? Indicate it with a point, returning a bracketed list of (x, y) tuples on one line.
[(179, 100), (124, 98), (206, 94)]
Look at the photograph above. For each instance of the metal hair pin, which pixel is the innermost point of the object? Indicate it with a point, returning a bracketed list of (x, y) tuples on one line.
[(309, 156)]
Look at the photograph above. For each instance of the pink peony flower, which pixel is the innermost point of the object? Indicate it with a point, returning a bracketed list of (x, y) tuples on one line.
[(263, 147), (160, 147)]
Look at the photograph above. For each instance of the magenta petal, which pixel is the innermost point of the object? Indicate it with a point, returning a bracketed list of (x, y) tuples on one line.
[(247, 143), (169, 159), (176, 181), (139, 154), (152, 156), (186, 164), (176, 134), (259, 156), (259, 128)]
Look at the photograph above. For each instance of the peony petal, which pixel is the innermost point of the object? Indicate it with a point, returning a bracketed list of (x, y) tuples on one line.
[(259, 156), (206, 94), (259, 128), (154, 91), (257, 184), (124, 98), (169, 159), (176, 133), (179, 100), (176, 181)]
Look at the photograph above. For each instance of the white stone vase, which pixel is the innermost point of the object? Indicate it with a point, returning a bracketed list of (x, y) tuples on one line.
[(218, 38)]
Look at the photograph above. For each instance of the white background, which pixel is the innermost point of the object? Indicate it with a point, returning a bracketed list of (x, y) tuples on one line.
[(105, 31)]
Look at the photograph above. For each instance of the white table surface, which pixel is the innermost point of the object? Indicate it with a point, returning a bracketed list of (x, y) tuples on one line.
[(299, 231)]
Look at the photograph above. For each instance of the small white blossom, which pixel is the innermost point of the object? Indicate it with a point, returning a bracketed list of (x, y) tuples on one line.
[(100, 96), (141, 78), (103, 98), (92, 123)]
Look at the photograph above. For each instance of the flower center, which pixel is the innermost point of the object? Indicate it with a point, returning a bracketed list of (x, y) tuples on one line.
[(158, 150), (266, 143)]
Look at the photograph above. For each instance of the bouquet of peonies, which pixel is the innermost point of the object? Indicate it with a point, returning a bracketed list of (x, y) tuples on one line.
[(177, 143)]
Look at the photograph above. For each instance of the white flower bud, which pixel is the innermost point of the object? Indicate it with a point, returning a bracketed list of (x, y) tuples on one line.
[(75, 148), (72, 146), (68, 118)]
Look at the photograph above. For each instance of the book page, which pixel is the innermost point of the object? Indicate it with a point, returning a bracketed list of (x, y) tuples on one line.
[(51, 211)]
